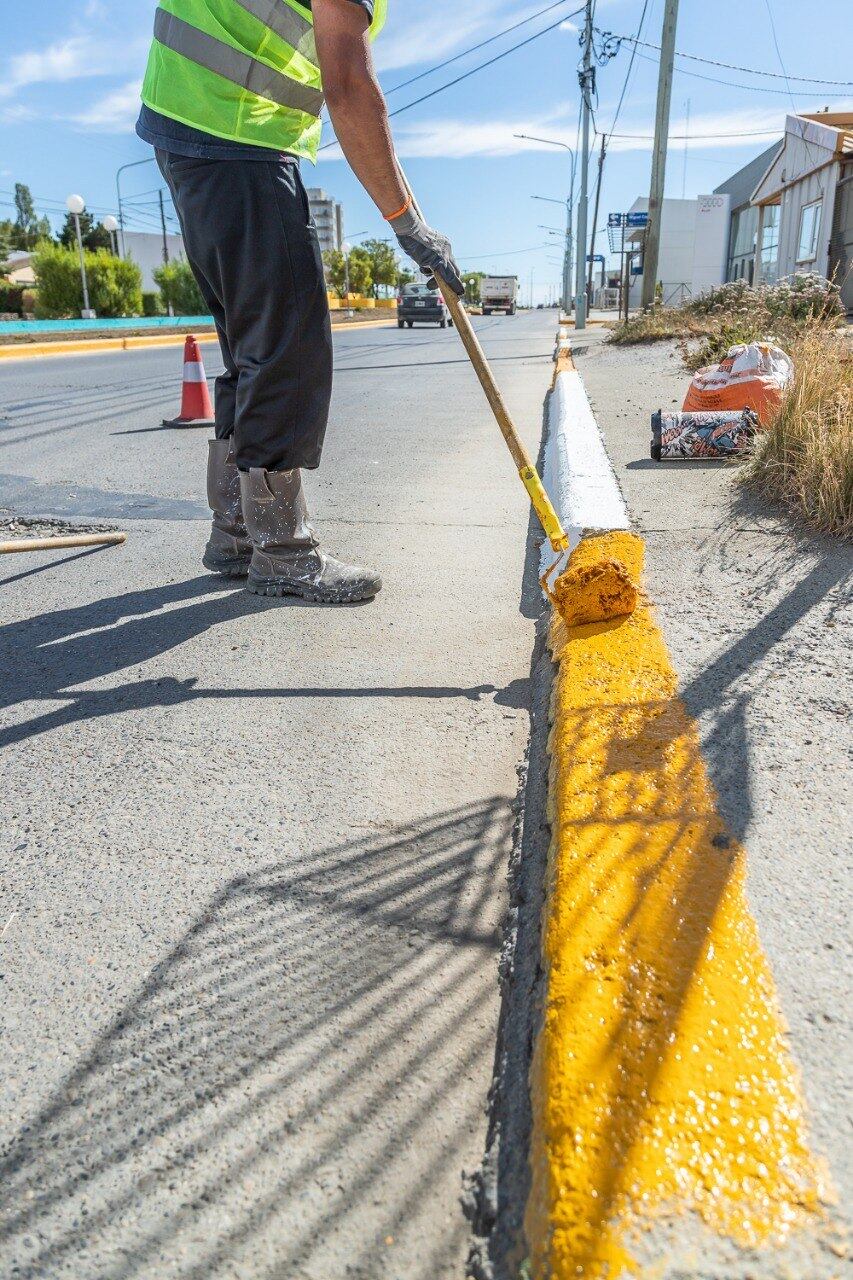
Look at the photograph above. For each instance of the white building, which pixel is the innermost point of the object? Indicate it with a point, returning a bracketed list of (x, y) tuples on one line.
[(805, 202), (694, 241), (328, 218), (145, 248)]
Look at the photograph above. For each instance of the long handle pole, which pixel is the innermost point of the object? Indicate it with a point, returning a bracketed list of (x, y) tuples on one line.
[(548, 517), (15, 545)]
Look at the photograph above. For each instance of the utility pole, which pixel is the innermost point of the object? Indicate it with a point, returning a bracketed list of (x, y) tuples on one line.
[(586, 82), (595, 217), (667, 58), (163, 225)]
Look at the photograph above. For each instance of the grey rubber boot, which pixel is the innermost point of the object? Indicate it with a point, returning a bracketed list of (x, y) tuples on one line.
[(286, 560), (229, 548)]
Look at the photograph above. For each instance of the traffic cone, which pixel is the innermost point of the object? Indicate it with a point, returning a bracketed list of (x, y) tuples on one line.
[(196, 409)]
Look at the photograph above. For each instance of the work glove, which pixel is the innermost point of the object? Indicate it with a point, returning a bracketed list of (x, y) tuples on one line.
[(429, 249)]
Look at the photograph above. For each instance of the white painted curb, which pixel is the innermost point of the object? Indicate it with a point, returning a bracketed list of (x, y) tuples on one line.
[(578, 475)]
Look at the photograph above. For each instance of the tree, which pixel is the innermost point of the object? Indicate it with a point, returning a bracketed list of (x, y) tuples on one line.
[(93, 234), (360, 271), (384, 267), (404, 277), (29, 228), (7, 230), (178, 286), (471, 280)]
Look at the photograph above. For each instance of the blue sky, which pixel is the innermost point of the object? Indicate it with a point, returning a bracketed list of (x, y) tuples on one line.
[(69, 77)]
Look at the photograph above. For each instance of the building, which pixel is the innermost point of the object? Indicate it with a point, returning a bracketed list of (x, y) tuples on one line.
[(694, 238), (805, 202), (328, 218), (20, 268), (145, 248), (743, 218)]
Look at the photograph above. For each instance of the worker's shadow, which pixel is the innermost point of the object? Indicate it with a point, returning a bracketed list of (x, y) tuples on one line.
[(47, 656)]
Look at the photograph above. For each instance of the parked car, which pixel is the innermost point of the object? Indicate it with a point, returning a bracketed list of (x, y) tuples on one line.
[(418, 302)]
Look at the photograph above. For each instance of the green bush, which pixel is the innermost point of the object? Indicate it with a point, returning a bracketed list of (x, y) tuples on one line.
[(152, 305), (177, 286), (115, 286), (11, 296)]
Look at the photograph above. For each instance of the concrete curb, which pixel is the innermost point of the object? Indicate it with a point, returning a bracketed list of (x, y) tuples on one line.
[(96, 346), (577, 473), (669, 1136)]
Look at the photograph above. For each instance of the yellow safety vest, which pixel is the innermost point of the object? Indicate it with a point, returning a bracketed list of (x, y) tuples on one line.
[(241, 70)]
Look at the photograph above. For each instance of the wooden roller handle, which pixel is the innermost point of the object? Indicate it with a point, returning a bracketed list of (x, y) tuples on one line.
[(477, 356), (57, 544)]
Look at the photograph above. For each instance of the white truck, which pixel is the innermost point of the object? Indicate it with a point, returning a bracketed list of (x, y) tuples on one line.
[(499, 293)]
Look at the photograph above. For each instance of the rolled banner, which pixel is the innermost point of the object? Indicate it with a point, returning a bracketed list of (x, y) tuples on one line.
[(680, 437)]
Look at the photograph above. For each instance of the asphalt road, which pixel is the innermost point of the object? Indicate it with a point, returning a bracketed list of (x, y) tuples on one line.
[(257, 849)]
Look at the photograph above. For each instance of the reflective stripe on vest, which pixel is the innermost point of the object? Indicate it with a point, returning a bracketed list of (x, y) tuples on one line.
[(231, 64), (285, 22)]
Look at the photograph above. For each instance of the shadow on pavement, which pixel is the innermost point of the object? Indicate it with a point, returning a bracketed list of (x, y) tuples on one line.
[(725, 687), (258, 1108), (47, 656)]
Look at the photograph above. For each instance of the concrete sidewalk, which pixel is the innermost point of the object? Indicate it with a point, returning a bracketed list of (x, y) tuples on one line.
[(258, 850)]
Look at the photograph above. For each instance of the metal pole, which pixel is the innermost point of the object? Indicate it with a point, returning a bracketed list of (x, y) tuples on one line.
[(623, 277), (163, 225), (656, 188), (586, 89), (119, 172), (595, 216), (86, 306)]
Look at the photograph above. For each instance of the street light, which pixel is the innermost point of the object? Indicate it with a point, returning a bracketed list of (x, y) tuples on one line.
[(75, 206), (567, 264), (110, 225), (133, 164)]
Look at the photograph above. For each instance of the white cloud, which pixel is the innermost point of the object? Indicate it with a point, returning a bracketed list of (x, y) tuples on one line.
[(412, 39), (77, 57), (115, 112)]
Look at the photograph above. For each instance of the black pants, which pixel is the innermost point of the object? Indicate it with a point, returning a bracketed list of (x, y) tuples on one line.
[(253, 249)]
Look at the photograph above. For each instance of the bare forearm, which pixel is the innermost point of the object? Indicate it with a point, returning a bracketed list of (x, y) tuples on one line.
[(354, 98), (360, 122)]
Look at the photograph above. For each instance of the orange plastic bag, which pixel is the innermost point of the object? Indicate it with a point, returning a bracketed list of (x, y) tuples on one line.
[(753, 375)]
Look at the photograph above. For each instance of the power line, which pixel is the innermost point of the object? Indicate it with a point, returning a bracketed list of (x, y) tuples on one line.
[(473, 71), (630, 66), (474, 47), (732, 66), (680, 137), (752, 88)]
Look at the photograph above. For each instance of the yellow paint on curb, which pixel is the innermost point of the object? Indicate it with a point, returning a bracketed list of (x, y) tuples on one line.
[(95, 346), (662, 1083)]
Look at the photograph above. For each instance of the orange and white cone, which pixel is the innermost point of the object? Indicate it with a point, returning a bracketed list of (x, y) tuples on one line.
[(196, 408)]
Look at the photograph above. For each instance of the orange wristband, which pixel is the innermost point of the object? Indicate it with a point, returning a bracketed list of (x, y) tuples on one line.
[(389, 217)]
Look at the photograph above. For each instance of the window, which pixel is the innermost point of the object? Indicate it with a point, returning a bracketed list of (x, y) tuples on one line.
[(770, 243), (809, 229)]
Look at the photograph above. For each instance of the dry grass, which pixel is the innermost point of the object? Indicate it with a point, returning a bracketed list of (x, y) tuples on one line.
[(805, 457), (732, 313)]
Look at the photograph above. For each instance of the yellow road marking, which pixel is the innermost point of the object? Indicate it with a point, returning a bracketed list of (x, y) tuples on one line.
[(662, 1083), (94, 346)]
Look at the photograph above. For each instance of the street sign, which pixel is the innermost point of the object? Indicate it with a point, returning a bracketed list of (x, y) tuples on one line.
[(595, 257), (637, 219), (615, 219)]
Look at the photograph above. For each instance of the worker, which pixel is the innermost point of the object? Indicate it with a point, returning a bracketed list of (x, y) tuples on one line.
[(231, 102)]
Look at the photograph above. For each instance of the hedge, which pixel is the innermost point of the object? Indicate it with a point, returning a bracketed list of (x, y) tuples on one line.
[(177, 286), (115, 286)]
